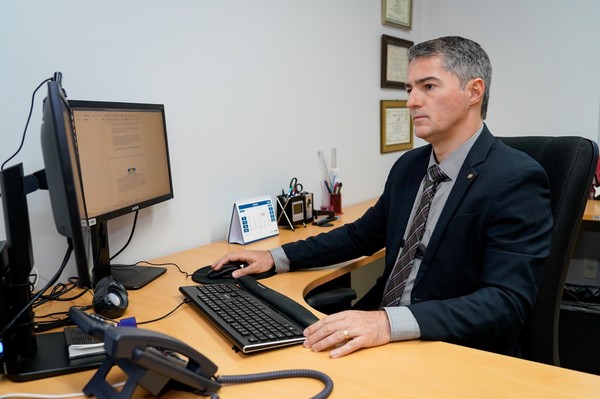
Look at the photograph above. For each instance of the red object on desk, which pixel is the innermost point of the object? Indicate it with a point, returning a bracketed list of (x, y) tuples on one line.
[(595, 189)]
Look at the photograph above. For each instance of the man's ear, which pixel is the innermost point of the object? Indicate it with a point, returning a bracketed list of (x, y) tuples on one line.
[(476, 88)]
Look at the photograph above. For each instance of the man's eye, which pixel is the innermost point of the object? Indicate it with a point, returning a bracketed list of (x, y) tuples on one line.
[(428, 86), (408, 90)]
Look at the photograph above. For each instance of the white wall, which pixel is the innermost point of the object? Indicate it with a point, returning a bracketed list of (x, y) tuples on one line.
[(253, 89)]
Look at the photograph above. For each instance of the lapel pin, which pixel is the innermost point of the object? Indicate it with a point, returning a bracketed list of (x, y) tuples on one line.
[(470, 176)]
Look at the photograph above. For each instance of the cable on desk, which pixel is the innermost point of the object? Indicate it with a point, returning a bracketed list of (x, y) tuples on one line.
[(165, 316), (57, 293), (41, 395), (145, 262), (55, 320), (275, 375), (59, 290), (186, 274), (49, 396), (53, 280)]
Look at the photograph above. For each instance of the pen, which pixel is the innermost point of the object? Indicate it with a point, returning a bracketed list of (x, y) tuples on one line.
[(329, 190), (338, 188)]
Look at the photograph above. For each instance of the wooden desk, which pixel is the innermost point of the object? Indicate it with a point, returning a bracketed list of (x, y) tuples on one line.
[(403, 369), (592, 211)]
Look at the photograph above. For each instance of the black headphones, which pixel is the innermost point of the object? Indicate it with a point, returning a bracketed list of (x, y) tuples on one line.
[(110, 298)]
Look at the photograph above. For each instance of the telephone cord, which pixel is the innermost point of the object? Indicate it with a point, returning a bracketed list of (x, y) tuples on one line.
[(274, 375)]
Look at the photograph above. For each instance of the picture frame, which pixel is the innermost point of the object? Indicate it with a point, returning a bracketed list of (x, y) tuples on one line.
[(396, 126), (394, 62), (397, 13)]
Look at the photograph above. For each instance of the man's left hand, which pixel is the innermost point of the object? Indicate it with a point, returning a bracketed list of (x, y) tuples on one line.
[(352, 329)]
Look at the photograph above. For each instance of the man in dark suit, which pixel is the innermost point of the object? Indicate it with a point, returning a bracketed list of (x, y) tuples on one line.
[(473, 274)]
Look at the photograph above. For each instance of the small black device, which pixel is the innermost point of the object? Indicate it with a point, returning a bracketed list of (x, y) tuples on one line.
[(325, 222), (110, 298)]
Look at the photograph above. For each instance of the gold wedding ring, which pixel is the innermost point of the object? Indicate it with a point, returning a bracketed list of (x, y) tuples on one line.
[(346, 336)]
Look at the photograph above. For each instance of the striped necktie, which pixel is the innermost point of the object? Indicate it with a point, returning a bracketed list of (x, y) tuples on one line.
[(397, 280)]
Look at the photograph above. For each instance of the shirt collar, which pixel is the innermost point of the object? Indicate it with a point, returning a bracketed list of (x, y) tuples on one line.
[(454, 161)]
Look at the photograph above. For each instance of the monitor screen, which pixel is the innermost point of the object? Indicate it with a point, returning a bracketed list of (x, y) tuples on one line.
[(124, 161), (124, 156)]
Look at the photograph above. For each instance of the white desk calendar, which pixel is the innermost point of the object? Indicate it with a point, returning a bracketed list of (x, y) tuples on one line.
[(252, 219)]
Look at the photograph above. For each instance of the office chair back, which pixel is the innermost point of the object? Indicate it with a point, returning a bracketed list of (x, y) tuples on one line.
[(570, 163)]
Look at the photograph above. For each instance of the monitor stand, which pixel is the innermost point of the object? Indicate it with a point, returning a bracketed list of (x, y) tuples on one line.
[(51, 360), (132, 277), (135, 277)]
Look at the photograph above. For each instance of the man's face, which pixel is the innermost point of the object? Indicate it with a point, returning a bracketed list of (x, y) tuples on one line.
[(438, 106)]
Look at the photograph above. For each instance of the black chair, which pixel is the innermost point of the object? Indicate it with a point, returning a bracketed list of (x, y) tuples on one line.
[(570, 163)]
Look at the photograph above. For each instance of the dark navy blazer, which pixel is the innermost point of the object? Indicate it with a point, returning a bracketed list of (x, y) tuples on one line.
[(480, 274)]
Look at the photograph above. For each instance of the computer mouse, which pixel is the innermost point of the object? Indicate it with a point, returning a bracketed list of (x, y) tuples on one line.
[(206, 275), (226, 270)]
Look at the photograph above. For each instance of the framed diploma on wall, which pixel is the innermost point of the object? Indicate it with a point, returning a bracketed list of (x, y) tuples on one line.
[(394, 61), (396, 126), (397, 13)]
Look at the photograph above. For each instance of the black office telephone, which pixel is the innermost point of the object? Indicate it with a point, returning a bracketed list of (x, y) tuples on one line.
[(158, 362), (150, 359)]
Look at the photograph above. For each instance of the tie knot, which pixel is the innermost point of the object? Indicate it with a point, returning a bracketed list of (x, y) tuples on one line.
[(436, 175)]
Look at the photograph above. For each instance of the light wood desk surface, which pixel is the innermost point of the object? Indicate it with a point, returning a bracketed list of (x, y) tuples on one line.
[(592, 211), (412, 369)]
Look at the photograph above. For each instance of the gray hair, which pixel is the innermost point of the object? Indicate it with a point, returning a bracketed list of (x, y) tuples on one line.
[(461, 57)]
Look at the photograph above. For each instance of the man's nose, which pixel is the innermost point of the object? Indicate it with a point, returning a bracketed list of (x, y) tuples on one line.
[(413, 100)]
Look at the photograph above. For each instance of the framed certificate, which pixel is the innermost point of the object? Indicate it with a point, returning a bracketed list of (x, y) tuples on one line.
[(396, 126), (394, 61), (397, 13)]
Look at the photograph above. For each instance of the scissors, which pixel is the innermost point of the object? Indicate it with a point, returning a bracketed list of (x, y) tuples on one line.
[(295, 187)]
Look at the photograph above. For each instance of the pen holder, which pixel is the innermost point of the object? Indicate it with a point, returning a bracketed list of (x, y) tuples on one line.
[(336, 203), (332, 202), (296, 209)]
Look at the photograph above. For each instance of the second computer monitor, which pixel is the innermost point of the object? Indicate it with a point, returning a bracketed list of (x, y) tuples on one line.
[(124, 160)]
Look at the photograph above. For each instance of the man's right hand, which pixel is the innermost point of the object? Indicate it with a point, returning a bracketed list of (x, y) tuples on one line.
[(257, 261)]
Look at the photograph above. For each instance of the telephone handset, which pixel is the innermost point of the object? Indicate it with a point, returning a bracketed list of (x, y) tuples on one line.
[(150, 359)]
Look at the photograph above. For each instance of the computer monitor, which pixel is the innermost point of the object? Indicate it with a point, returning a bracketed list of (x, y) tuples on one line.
[(124, 159), (59, 150), (20, 358)]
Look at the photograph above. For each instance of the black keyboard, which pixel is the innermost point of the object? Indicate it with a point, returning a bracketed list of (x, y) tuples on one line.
[(251, 315)]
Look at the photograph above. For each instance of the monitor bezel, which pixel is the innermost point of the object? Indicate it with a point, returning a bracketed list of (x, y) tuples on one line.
[(128, 106)]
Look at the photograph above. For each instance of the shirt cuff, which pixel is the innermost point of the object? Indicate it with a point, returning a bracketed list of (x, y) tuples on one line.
[(403, 325), (282, 263)]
